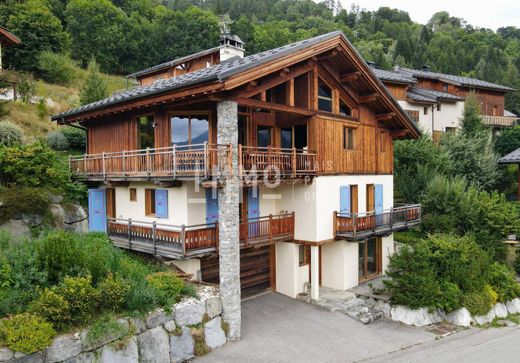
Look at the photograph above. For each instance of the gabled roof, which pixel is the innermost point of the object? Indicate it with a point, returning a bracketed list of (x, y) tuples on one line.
[(7, 38), (394, 77), (511, 158), (424, 95), (453, 79)]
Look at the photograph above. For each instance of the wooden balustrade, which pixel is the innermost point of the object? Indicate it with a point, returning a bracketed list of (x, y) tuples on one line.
[(500, 120), (358, 226), (267, 229)]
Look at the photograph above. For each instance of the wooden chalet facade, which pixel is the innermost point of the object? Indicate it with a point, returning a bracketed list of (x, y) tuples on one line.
[(304, 131)]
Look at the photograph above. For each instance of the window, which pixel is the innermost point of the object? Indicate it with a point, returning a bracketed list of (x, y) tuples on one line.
[(263, 136), (302, 255), (133, 195), (414, 115), (425, 111), (324, 97), (451, 129), (146, 132), (189, 130), (445, 87), (344, 109), (286, 138), (348, 138), (149, 205)]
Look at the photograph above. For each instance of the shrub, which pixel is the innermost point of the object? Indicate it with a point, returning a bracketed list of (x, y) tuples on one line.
[(82, 297), (167, 287), (480, 302), (10, 133), (98, 256), (56, 68), (53, 308), (26, 87), (516, 264), (106, 327), (42, 109), (76, 138), (26, 333), (112, 293), (23, 200), (59, 254), (57, 141), (502, 280), (95, 87)]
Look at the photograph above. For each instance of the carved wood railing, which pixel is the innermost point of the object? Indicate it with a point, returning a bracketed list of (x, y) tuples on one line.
[(267, 229), (358, 226), (269, 162), (500, 120), (201, 160)]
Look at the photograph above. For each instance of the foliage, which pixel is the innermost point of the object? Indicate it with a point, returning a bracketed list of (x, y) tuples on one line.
[(10, 134), (26, 333), (82, 297), (52, 307), (94, 88), (112, 291), (516, 263), (23, 200), (508, 140), (480, 302), (167, 287), (76, 138), (42, 109), (503, 281), (57, 141), (471, 120), (26, 87), (106, 326), (56, 68)]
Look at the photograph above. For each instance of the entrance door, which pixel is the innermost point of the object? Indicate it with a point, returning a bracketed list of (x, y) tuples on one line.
[(97, 214), (211, 206), (369, 258)]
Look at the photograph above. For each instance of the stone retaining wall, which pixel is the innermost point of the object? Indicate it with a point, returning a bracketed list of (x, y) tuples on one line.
[(192, 327)]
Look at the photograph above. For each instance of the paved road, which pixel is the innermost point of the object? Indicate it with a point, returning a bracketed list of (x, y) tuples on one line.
[(280, 329)]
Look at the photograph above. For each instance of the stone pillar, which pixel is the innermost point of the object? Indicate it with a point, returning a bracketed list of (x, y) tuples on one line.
[(228, 199), (315, 273)]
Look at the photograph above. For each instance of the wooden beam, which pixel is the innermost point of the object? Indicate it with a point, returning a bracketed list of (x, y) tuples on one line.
[(398, 133), (169, 184), (115, 184), (273, 106), (368, 98), (385, 116), (350, 77), (290, 92), (285, 72), (207, 184)]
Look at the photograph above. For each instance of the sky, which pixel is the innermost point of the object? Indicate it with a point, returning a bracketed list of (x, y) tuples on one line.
[(485, 14)]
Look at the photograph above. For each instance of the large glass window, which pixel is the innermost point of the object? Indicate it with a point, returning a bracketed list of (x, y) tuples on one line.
[(324, 97), (344, 109), (146, 132), (286, 136), (263, 136), (189, 130)]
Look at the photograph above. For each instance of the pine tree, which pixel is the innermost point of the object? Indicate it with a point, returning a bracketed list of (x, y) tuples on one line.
[(95, 87), (471, 119)]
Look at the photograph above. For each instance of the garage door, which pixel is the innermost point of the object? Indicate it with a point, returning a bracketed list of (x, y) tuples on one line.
[(255, 270)]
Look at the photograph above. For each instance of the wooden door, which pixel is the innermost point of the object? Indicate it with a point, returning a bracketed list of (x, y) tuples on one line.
[(111, 202), (370, 258)]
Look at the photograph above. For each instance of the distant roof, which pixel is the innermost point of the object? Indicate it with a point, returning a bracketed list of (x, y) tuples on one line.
[(7, 38), (431, 96), (175, 62), (392, 76), (458, 80), (217, 72), (511, 158), (509, 114)]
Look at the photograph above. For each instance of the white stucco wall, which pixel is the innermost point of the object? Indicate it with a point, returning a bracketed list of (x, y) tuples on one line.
[(290, 276), (388, 250), (339, 265), (448, 116)]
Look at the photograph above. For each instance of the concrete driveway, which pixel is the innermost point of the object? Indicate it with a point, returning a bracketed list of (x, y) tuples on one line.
[(276, 328)]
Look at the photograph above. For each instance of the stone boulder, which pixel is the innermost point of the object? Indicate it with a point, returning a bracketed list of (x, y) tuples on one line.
[(170, 326), (16, 228), (417, 317), (154, 346), (513, 306), (159, 317), (485, 319), (129, 354), (182, 346), (189, 312), (500, 310), (107, 338), (213, 307), (64, 347), (32, 220), (460, 317), (74, 213), (213, 333), (5, 354), (88, 357)]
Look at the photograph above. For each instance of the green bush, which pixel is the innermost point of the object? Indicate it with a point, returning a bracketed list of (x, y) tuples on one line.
[(167, 286), (56, 68), (52, 307), (23, 200), (106, 326), (76, 138), (503, 281), (26, 87), (112, 293), (98, 257), (516, 264), (57, 141), (10, 133), (480, 302), (82, 297), (43, 112), (26, 333)]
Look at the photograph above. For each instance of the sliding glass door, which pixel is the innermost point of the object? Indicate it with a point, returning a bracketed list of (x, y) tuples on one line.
[(369, 258)]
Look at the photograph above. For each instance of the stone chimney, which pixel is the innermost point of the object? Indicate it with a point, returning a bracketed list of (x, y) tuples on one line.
[(231, 46)]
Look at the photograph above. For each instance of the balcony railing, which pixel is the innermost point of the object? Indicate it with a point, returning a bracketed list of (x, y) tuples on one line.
[(177, 162), (182, 242), (500, 120), (269, 162), (359, 226)]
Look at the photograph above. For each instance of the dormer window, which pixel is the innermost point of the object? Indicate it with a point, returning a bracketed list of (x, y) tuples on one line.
[(324, 97), (344, 109)]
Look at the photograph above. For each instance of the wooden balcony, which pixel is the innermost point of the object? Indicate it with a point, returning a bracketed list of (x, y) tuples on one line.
[(269, 162), (501, 121), (360, 226), (184, 242)]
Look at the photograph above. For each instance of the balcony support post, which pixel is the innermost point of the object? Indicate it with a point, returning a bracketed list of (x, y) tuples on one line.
[(148, 171), (124, 163), (174, 166), (154, 237), (129, 233), (183, 240), (103, 163), (315, 273), (294, 168)]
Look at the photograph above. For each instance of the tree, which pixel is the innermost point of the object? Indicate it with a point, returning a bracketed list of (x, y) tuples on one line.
[(471, 120), (94, 88), (508, 141)]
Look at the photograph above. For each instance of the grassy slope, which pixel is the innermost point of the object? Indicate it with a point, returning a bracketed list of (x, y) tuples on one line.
[(63, 98)]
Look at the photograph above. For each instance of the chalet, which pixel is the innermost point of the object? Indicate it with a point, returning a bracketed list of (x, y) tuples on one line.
[(8, 39), (435, 101), (273, 170)]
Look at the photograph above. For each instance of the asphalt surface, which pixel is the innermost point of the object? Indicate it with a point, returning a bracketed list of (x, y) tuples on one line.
[(276, 328)]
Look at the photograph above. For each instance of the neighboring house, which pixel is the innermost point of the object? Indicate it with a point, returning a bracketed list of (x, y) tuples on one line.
[(436, 100), (7, 39), (273, 170)]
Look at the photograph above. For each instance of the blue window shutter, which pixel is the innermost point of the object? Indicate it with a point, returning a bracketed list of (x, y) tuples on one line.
[(161, 203), (378, 198), (253, 203), (211, 206), (97, 210), (344, 199)]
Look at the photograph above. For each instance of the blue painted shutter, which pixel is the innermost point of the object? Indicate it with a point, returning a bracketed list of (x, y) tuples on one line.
[(378, 201), (344, 199), (161, 203), (253, 204), (97, 212), (211, 207)]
